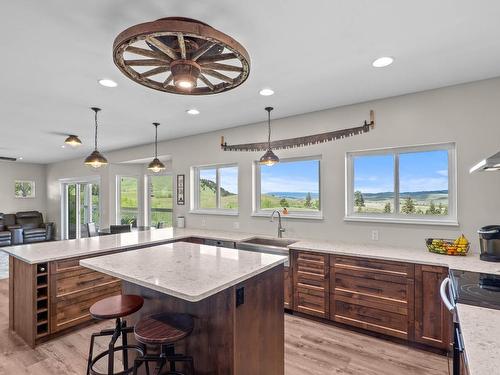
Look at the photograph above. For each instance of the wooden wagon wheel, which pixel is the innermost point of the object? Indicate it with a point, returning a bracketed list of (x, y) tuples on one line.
[(181, 56)]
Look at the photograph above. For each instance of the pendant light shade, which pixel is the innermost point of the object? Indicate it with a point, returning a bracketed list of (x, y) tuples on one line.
[(156, 165), (269, 158), (73, 141), (95, 159)]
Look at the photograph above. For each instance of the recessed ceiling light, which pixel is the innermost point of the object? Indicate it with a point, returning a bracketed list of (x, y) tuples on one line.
[(107, 82), (382, 62), (20, 158), (266, 92), (193, 111), (63, 146)]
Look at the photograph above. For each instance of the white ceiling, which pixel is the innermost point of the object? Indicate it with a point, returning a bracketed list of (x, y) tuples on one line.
[(314, 54)]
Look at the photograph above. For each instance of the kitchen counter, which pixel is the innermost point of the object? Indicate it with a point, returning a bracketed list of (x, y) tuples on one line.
[(481, 336), (470, 262), (57, 250), (188, 271)]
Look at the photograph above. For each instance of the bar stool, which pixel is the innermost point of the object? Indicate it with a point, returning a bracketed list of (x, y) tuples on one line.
[(115, 307), (164, 330)]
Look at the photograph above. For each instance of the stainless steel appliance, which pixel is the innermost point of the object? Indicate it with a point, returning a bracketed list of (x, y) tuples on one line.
[(489, 239), (470, 288)]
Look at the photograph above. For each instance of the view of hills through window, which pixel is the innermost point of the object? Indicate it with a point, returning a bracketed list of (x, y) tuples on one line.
[(423, 183), (293, 184), (228, 184)]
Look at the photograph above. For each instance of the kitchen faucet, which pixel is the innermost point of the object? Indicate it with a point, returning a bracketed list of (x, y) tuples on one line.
[(280, 227)]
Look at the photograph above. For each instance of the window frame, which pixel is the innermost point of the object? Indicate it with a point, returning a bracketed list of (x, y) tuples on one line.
[(396, 217), (256, 183), (195, 190)]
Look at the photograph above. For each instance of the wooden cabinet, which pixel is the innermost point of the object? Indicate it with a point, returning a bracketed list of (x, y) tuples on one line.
[(432, 320), (372, 294), (73, 290), (288, 288), (310, 283)]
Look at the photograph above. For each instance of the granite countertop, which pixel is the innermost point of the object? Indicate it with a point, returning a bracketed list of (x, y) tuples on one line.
[(481, 337), (184, 270), (57, 250)]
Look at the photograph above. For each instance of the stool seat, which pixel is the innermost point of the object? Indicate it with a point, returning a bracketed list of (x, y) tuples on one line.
[(163, 328), (116, 306)]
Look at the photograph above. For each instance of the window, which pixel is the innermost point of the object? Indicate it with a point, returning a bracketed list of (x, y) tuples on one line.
[(128, 200), (215, 189), (160, 201), (292, 184), (405, 184)]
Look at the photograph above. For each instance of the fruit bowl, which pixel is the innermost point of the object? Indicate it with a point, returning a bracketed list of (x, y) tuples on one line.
[(447, 247)]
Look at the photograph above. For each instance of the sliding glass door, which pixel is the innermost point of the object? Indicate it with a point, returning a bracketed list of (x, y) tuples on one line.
[(160, 200), (80, 202), (128, 200)]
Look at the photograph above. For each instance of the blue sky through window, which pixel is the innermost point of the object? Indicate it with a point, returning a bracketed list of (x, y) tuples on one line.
[(418, 171), (294, 177)]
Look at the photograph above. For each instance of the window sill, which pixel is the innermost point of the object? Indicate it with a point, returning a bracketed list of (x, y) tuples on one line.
[(215, 212), (393, 220), (318, 216)]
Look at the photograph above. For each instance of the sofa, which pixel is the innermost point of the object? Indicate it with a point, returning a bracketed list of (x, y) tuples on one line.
[(10, 233), (24, 227)]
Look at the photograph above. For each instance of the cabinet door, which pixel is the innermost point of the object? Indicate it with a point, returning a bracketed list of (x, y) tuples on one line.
[(311, 283), (432, 318), (288, 289)]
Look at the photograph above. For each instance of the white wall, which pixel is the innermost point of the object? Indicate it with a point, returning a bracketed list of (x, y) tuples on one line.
[(466, 114), (11, 171)]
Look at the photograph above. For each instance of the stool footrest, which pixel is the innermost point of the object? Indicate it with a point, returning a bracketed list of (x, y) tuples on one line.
[(105, 353)]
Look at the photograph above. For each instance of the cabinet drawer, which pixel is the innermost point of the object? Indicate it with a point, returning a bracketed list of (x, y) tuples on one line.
[(373, 266), (370, 318), (310, 302), (71, 310), (365, 285), (81, 281)]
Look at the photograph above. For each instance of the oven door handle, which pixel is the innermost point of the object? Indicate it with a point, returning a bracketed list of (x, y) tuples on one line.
[(444, 297)]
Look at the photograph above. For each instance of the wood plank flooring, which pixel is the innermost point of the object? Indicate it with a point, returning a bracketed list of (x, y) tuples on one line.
[(311, 348)]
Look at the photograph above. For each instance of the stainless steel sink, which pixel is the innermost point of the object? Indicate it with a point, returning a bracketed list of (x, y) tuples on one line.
[(267, 245)]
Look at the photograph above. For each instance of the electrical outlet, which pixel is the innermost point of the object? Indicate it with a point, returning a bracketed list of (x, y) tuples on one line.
[(203, 223), (375, 235), (236, 225)]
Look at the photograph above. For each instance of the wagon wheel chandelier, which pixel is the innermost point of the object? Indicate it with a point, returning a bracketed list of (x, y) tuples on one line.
[(270, 158), (181, 56)]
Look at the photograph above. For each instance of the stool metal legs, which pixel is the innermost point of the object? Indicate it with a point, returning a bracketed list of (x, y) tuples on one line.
[(122, 330), (167, 355)]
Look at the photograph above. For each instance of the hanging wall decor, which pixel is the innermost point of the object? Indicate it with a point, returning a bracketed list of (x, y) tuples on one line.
[(181, 56), (180, 189), (301, 141), (24, 189)]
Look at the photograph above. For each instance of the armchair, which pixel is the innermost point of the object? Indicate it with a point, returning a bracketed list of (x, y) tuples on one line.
[(34, 229)]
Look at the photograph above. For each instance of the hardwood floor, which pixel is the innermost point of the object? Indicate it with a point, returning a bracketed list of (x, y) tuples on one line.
[(311, 348)]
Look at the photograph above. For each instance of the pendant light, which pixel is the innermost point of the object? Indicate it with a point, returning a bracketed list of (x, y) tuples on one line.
[(95, 159), (73, 140), (156, 165), (269, 158)]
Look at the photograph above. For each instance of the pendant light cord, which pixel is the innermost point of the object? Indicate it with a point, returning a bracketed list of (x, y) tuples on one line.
[(156, 140), (269, 129), (156, 124), (269, 109), (95, 135)]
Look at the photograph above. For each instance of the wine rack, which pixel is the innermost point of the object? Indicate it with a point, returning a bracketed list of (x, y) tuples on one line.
[(42, 300)]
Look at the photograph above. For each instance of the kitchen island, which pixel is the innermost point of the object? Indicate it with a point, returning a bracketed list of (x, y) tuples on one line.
[(235, 296)]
